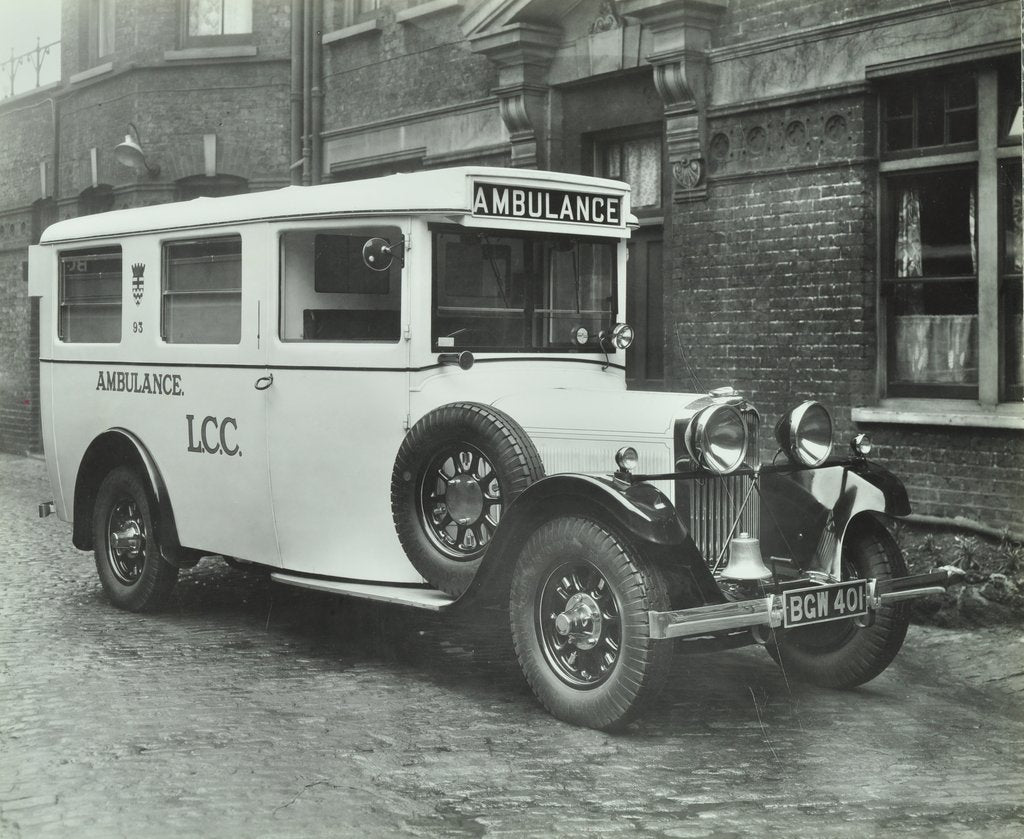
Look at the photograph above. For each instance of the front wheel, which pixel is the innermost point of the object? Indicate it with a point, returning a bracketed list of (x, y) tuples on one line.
[(131, 570), (578, 608), (841, 654)]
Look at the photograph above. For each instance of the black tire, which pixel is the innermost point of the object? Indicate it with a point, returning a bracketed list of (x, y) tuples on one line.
[(456, 472), (131, 570), (841, 654), (601, 668)]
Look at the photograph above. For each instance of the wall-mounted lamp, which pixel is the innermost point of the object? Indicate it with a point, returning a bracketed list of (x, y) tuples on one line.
[(130, 154)]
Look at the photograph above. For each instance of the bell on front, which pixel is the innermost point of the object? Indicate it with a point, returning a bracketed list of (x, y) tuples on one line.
[(745, 561)]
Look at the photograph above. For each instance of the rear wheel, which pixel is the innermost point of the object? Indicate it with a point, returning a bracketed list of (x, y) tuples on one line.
[(841, 654), (578, 608), (131, 570)]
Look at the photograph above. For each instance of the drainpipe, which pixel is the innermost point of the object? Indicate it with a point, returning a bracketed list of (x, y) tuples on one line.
[(317, 103), (307, 83), (295, 133)]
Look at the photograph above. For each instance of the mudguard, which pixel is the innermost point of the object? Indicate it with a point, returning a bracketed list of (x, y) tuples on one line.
[(805, 515), (120, 447), (639, 511)]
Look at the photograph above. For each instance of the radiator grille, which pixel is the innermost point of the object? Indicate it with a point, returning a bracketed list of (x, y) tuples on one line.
[(715, 502)]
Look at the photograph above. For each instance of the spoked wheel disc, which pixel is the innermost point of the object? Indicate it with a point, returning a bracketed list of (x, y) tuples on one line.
[(461, 501), (579, 624)]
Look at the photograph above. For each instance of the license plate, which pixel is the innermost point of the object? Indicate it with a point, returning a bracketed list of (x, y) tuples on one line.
[(820, 604)]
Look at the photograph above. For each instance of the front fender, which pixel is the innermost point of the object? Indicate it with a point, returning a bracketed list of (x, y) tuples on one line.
[(639, 512), (805, 515)]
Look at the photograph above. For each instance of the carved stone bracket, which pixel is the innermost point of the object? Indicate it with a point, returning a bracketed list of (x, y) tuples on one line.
[(680, 79), (681, 34), (522, 108), (522, 53)]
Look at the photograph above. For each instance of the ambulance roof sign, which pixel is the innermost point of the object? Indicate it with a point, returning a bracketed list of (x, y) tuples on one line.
[(546, 204)]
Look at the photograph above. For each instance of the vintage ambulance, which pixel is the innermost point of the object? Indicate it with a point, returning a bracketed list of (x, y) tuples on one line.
[(412, 389)]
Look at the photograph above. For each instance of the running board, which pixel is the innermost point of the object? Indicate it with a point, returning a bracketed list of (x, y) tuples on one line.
[(419, 598)]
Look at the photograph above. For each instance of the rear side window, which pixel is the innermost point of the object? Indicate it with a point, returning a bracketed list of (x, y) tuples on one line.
[(90, 296), (202, 291)]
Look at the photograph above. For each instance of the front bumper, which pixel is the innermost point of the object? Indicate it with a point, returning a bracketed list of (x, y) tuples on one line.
[(767, 611)]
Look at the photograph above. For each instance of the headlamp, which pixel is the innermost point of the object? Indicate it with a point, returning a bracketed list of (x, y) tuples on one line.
[(861, 445), (622, 336), (716, 439), (805, 434), (627, 459)]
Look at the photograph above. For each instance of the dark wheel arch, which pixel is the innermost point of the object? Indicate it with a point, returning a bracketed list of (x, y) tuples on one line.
[(110, 450)]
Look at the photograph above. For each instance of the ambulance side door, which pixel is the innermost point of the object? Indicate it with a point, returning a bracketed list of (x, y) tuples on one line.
[(339, 401), (201, 325)]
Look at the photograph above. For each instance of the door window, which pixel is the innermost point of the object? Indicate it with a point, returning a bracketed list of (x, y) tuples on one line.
[(329, 294)]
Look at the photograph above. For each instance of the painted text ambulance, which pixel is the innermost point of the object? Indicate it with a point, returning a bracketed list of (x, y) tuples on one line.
[(412, 389)]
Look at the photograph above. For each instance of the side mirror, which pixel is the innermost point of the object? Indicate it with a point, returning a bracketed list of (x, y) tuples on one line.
[(378, 254)]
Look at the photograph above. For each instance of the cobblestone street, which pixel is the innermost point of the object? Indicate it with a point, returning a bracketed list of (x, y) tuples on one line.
[(250, 709)]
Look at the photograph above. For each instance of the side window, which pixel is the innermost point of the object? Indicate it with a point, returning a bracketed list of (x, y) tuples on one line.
[(202, 291), (328, 293), (90, 296)]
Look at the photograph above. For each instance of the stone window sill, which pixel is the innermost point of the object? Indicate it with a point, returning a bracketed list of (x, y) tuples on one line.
[(92, 73), (424, 9), (959, 413), (204, 53), (351, 31)]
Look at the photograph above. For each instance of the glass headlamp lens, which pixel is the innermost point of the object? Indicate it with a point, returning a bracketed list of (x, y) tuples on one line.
[(716, 439)]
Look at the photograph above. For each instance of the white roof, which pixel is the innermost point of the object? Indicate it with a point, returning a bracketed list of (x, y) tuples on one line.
[(442, 191)]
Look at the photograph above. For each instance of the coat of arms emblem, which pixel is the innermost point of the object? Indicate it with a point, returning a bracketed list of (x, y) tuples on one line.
[(138, 269)]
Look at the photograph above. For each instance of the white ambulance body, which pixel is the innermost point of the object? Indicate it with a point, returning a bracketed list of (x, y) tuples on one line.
[(362, 386)]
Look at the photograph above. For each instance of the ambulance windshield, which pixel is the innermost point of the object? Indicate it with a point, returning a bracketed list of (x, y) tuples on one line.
[(502, 291)]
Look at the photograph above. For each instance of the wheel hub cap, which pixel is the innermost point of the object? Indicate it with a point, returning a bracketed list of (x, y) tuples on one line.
[(464, 499), (581, 622), (127, 542)]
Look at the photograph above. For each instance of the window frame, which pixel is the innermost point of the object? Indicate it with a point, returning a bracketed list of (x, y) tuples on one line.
[(223, 40), (98, 19), (345, 13), (364, 228), (985, 156), (165, 275), (97, 251)]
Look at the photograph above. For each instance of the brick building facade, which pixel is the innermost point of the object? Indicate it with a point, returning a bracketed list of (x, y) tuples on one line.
[(829, 192)]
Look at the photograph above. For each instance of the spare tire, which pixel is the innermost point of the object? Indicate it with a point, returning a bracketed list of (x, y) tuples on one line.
[(456, 472)]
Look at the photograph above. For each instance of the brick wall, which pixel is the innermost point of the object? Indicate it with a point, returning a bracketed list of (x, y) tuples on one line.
[(771, 278)]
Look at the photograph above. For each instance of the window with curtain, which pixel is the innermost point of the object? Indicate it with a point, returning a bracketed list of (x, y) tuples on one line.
[(939, 268), (220, 21), (97, 29), (638, 163)]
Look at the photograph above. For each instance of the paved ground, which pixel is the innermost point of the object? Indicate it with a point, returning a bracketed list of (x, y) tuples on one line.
[(248, 709)]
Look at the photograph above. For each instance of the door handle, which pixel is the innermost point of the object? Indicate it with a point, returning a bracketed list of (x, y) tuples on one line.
[(263, 382)]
